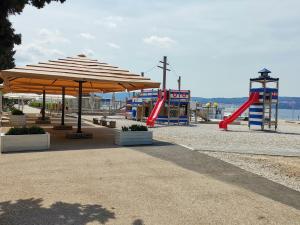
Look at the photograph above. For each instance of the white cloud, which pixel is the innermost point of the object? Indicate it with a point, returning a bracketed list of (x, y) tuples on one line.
[(40, 49), (113, 45), (110, 21), (87, 36), (35, 52), (163, 42), (51, 37)]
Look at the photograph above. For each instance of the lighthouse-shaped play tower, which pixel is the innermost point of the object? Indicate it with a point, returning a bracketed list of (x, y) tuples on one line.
[(262, 103)]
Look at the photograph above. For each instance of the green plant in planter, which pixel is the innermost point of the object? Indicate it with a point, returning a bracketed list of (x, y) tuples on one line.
[(25, 130), (36, 130), (136, 127), (16, 112), (124, 128), (17, 131)]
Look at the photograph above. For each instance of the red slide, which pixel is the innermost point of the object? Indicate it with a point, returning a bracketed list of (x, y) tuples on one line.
[(154, 113), (254, 97)]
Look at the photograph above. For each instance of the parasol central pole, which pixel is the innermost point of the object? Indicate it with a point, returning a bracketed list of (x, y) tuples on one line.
[(44, 105), (79, 106), (63, 106)]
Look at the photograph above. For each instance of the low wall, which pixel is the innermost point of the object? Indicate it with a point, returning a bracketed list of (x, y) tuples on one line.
[(30, 142), (128, 138)]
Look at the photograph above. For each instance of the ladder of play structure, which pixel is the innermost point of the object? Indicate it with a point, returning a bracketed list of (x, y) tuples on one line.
[(203, 114)]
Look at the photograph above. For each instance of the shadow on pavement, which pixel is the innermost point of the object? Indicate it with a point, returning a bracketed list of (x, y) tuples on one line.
[(223, 171), (102, 138), (31, 211), (138, 222)]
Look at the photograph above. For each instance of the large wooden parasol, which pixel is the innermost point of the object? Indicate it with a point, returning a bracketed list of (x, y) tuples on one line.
[(72, 76)]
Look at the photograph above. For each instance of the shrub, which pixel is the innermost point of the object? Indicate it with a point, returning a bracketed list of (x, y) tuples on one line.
[(17, 131), (125, 128), (35, 104), (36, 130), (15, 111), (135, 127), (25, 130)]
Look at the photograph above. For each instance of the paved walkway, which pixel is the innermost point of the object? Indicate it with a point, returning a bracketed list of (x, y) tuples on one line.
[(29, 109), (162, 184)]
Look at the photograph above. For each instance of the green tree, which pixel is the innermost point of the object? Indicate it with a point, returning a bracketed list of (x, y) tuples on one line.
[(8, 37)]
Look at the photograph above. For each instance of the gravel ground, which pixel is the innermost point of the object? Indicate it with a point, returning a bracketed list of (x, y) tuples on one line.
[(208, 137), (259, 150), (239, 139), (282, 170)]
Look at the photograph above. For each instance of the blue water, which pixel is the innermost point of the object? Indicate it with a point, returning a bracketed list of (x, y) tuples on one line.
[(289, 114), (283, 114)]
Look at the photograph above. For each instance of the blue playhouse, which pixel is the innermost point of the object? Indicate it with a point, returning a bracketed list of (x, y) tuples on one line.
[(175, 110)]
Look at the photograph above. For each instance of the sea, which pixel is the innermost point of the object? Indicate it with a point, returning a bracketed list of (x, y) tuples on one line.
[(283, 114), (289, 114)]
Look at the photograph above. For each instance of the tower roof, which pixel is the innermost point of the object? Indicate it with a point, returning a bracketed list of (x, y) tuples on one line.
[(264, 70), (264, 76)]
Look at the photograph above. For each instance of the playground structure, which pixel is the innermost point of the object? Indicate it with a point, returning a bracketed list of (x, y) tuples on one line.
[(169, 107), (162, 106), (262, 103), (208, 112)]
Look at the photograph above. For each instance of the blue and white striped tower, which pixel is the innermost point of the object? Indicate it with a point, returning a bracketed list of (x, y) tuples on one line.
[(264, 113)]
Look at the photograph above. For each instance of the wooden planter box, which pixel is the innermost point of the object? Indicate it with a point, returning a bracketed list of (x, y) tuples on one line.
[(130, 138), (111, 124), (95, 121), (62, 127), (30, 142), (103, 123), (17, 120)]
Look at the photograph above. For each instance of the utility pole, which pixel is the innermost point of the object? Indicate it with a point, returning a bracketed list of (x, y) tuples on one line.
[(165, 69), (179, 83), (142, 74)]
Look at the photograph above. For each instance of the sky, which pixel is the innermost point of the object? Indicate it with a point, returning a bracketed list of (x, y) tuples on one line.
[(216, 46)]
